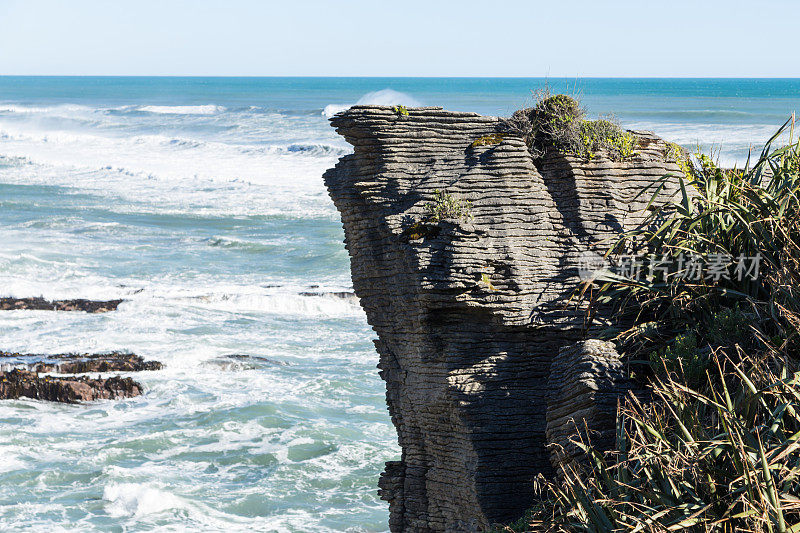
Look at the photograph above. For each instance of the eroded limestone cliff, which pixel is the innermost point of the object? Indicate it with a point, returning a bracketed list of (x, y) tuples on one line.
[(470, 313)]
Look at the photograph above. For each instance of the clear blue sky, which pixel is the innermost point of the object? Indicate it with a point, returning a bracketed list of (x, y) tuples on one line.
[(402, 38)]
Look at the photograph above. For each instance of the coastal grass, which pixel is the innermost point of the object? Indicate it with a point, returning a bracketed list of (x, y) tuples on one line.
[(722, 457), (747, 217), (715, 447)]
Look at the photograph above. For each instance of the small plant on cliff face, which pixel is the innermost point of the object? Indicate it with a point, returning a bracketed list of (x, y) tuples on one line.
[(400, 110), (445, 205), (487, 280), (488, 140)]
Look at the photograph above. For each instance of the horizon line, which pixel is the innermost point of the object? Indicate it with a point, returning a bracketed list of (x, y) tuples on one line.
[(310, 76)]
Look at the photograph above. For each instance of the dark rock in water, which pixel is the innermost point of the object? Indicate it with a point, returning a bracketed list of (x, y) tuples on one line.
[(471, 310), (22, 383), (40, 304), (344, 295), (20, 377), (240, 361), (258, 358), (78, 363)]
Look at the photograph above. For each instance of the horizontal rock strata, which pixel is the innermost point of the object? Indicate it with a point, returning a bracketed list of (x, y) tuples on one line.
[(587, 380), (40, 304), (470, 312)]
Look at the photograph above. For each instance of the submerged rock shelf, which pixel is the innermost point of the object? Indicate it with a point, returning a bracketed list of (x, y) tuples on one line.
[(470, 312), (40, 304)]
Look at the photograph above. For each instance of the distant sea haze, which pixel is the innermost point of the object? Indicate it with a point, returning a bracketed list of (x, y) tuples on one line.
[(199, 201)]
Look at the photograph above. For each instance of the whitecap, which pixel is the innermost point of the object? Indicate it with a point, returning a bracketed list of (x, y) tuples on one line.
[(138, 499), (31, 109), (280, 304), (208, 109)]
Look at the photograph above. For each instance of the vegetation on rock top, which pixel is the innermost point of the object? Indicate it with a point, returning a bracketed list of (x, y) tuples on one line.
[(557, 122)]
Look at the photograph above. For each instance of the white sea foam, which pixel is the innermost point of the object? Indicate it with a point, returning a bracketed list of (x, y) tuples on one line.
[(137, 499), (175, 173), (283, 304), (34, 109), (382, 97), (187, 215), (207, 109)]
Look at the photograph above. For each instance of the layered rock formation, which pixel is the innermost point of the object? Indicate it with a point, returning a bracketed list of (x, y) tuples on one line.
[(587, 380), (470, 312)]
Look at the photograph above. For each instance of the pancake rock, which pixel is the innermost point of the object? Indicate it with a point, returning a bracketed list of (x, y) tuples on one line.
[(471, 311), (587, 380)]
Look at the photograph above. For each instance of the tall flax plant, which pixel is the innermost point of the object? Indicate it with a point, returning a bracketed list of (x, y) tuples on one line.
[(722, 459), (720, 453), (749, 212)]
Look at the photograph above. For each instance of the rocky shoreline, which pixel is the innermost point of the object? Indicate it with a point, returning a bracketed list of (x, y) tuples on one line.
[(20, 373), (71, 363)]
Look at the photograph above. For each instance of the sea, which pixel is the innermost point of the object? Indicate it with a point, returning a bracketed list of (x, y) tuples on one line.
[(200, 203)]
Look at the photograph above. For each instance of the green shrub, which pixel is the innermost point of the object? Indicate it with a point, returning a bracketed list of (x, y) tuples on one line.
[(400, 110), (729, 327), (718, 447), (752, 212), (556, 119), (683, 358), (604, 134), (557, 122), (445, 205), (676, 154)]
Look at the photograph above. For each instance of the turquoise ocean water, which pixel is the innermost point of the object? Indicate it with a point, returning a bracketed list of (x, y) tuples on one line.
[(200, 202)]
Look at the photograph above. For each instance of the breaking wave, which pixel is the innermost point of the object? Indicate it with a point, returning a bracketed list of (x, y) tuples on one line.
[(182, 109), (382, 97)]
